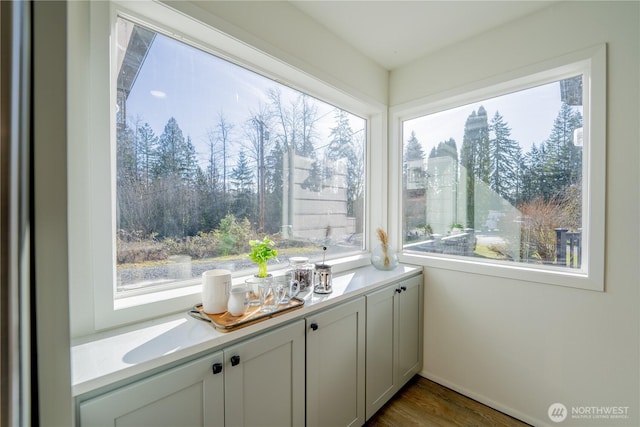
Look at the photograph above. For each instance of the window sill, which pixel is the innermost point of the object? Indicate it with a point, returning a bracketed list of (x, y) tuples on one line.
[(521, 272), (192, 290)]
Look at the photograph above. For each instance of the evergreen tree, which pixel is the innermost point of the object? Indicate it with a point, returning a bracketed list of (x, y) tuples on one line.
[(190, 167), (275, 187), (147, 146), (483, 159), (340, 137), (127, 167), (563, 161), (174, 179), (444, 149), (413, 150), (475, 157), (341, 146), (533, 174), (243, 187), (201, 218), (126, 179), (412, 165), (447, 148), (171, 151), (505, 158), (443, 173)]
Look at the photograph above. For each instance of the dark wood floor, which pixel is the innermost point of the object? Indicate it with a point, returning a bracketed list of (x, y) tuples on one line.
[(424, 403)]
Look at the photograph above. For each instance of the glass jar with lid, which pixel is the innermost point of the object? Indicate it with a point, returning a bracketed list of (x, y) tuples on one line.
[(301, 270)]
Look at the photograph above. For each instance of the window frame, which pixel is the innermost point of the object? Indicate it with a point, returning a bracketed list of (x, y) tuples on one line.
[(590, 62), (92, 245)]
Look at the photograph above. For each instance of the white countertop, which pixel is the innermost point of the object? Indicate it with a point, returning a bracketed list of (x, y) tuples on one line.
[(105, 358)]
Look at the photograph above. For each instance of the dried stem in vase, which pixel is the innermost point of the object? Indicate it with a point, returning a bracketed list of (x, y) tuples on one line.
[(384, 243)]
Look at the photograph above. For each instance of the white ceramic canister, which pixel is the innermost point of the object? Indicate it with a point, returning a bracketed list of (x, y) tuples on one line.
[(215, 290)]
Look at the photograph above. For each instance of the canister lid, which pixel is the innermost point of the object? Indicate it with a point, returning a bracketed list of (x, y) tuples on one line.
[(298, 260)]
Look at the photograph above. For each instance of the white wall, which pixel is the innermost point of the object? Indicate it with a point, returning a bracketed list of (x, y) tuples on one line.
[(50, 215), (522, 346)]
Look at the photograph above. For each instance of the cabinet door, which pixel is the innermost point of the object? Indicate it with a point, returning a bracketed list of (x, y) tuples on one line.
[(335, 366), (264, 379), (189, 395), (410, 328), (382, 333)]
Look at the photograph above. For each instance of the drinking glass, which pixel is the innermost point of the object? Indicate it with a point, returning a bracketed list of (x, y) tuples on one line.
[(270, 296), (253, 284), (291, 289)]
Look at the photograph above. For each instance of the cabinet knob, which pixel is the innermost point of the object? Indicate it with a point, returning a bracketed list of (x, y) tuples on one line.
[(398, 291), (404, 288), (314, 326), (235, 360), (217, 368)]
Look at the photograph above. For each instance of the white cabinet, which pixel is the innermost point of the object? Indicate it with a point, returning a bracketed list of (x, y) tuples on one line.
[(259, 381), (393, 340), (189, 395), (335, 366), (382, 331), (410, 328), (264, 379)]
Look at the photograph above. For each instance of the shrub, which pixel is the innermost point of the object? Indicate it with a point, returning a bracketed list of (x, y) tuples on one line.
[(230, 238), (540, 218), (136, 247)]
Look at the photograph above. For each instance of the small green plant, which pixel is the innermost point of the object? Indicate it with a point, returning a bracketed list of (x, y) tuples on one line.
[(261, 252)]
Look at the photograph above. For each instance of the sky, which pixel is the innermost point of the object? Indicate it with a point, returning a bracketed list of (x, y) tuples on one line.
[(162, 90), (529, 113)]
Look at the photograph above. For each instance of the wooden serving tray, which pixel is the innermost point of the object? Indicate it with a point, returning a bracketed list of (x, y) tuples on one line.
[(225, 322)]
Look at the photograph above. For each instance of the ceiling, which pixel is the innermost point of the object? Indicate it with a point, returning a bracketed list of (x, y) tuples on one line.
[(394, 33)]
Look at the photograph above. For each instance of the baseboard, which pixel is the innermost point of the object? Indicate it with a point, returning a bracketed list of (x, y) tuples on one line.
[(484, 400)]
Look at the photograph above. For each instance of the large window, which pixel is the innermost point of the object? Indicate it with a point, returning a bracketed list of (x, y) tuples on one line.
[(506, 177), (195, 143), (211, 155)]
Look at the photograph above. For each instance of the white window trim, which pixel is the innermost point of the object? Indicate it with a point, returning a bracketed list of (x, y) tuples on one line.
[(591, 62), (91, 165)]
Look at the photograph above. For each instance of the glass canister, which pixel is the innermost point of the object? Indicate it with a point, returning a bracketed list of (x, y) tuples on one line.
[(322, 279), (301, 270)]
